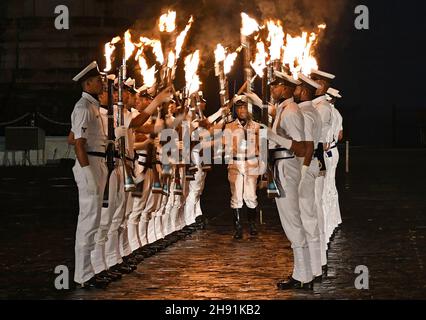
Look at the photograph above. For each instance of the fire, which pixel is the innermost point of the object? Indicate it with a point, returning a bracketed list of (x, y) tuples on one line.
[(148, 75), (109, 50), (298, 54), (322, 26), (249, 25), (129, 47), (191, 77), (156, 48), (182, 36), (168, 22), (219, 53), (259, 63), (276, 39), (171, 60), (228, 59)]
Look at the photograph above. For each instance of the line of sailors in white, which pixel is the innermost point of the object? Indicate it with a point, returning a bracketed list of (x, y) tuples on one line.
[(112, 240), (308, 203)]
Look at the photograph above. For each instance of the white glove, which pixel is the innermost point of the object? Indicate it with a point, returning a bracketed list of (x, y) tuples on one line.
[(180, 145), (120, 132), (92, 187), (304, 171), (254, 98)]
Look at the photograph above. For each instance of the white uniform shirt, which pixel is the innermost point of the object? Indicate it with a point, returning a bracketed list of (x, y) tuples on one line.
[(289, 122), (325, 111), (86, 122), (313, 122), (337, 124)]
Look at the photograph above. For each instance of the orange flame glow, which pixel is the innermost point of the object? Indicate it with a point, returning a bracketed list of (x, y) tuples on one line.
[(168, 22)]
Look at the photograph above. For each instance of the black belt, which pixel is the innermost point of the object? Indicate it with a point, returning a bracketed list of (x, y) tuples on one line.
[(243, 158), (335, 146), (274, 151), (96, 154)]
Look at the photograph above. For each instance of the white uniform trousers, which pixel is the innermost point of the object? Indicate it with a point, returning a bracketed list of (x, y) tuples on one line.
[(88, 218), (135, 215), (141, 204), (326, 203), (123, 237), (243, 188), (333, 193), (103, 248), (309, 216), (288, 175), (195, 189), (112, 247), (319, 188)]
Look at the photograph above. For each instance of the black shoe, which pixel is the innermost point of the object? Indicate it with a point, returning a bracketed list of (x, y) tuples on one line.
[(114, 275), (291, 284), (121, 268), (94, 282), (317, 279), (251, 215), (324, 270), (127, 262), (238, 233), (104, 276)]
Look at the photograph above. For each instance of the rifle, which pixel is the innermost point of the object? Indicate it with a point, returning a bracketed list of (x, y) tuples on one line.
[(111, 138), (272, 189)]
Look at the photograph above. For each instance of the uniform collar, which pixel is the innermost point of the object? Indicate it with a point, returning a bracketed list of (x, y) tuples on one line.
[(305, 103), (91, 98), (319, 100), (240, 124), (286, 102)]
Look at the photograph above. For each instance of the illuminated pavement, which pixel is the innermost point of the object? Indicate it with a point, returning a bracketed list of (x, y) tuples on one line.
[(383, 207)]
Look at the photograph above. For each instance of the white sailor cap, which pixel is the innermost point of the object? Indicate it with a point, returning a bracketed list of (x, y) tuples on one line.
[(130, 82), (240, 100), (321, 75), (334, 93), (285, 79), (92, 70), (308, 82)]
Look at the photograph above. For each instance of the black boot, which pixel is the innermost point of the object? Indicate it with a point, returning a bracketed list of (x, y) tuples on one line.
[(251, 215), (237, 224)]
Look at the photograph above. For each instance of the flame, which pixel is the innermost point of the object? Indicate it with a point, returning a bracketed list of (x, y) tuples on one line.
[(322, 26), (298, 54), (109, 50), (249, 25), (156, 48), (229, 62), (191, 77), (148, 75), (259, 63), (171, 60), (182, 36), (219, 53), (228, 59), (129, 47), (276, 39), (168, 22)]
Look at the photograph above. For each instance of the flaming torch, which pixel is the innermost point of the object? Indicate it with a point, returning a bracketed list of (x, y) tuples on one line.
[(248, 27), (128, 48)]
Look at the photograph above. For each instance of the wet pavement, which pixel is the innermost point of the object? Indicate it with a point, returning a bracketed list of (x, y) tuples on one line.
[(383, 207)]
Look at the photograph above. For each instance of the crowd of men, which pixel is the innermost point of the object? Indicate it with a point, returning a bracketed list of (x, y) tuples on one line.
[(116, 229)]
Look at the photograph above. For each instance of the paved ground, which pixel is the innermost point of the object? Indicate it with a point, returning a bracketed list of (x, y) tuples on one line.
[(383, 207)]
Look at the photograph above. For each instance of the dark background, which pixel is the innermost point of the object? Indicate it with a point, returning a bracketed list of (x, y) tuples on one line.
[(379, 71)]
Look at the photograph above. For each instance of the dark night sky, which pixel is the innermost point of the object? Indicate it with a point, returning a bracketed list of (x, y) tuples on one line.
[(379, 71)]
